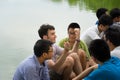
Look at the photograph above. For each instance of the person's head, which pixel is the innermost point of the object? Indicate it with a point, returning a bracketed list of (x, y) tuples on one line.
[(47, 32), (104, 22), (71, 31), (99, 50), (101, 11), (112, 36), (43, 48), (115, 14)]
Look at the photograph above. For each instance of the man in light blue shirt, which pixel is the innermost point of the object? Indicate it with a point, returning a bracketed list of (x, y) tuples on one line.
[(34, 67)]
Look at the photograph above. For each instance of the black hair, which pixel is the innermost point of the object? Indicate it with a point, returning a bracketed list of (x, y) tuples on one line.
[(105, 20), (115, 12), (43, 30), (42, 46), (100, 50), (100, 12), (73, 25), (113, 35)]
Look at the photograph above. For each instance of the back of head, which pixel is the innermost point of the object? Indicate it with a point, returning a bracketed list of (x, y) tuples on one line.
[(73, 25), (43, 30), (115, 12), (41, 46), (99, 49), (105, 20), (100, 12), (113, 35)]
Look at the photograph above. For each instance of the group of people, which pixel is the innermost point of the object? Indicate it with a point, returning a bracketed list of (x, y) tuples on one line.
[(95, 55)]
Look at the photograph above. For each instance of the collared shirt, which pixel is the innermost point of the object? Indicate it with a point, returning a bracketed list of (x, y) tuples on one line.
[(91, 34), (31, 69), (116, 52), (109, 70)]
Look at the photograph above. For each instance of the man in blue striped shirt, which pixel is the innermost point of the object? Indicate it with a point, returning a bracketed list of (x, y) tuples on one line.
[(34, 67)]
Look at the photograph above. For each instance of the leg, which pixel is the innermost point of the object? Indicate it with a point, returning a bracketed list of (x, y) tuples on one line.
[(50, 63), (83, 58), (67, 68), (77, 68), (90, 63)]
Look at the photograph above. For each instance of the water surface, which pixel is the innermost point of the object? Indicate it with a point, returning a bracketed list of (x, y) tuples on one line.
[(20, 21)]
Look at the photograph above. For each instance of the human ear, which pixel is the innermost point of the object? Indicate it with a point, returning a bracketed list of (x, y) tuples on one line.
[(45, 37), (44, 55)]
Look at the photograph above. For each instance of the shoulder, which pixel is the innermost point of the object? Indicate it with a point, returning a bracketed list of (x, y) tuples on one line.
[(82, 43), (61, 43), (28, 63), (96, 74)]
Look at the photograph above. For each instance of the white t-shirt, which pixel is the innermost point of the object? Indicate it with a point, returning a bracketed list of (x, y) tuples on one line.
[(91, 34), (116, 52)]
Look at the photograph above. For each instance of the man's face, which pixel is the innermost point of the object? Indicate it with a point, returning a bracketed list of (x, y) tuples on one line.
[(104, 28), (71, 35), (51, 36)]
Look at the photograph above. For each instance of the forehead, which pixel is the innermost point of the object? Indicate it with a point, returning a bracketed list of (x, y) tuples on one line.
[(51, 31), (71, 29)]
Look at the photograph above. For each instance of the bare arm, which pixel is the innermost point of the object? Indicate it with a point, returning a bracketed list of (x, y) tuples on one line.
[(85, 73), (63, 56)]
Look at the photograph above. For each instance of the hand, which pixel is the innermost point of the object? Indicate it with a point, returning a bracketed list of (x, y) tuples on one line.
[(67, 46), (95, 66), (77, 33)]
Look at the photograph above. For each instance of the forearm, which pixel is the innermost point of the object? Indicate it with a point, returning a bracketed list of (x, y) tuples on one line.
[(76, 45), (83, 74), (61, 59)]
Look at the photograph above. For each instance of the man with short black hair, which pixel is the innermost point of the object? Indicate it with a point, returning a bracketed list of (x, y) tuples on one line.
[(115, 14), (108, 67), (35, 67), (96, 32), (112, 37)]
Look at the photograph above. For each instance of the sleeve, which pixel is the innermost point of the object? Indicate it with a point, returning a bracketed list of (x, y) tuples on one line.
[(59, 50), (61, 43)]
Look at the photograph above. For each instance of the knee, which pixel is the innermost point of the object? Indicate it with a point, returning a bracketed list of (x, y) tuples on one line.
[(69, 61), (74, 56)]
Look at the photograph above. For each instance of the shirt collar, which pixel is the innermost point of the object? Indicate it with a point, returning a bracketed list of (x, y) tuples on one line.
[(37, 62)]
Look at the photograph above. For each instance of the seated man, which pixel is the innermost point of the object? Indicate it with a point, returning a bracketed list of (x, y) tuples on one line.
[(95, 32), (71, 62), (100, 12), (112, 37), (115, 14), (108, 67), (82, 46), (34, 67)]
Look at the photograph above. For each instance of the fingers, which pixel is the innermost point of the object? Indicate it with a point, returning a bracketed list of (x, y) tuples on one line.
[(77, 33), (67, 45)]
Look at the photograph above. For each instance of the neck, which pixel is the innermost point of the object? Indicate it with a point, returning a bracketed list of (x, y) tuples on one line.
[(41, 60), (112, 47)]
